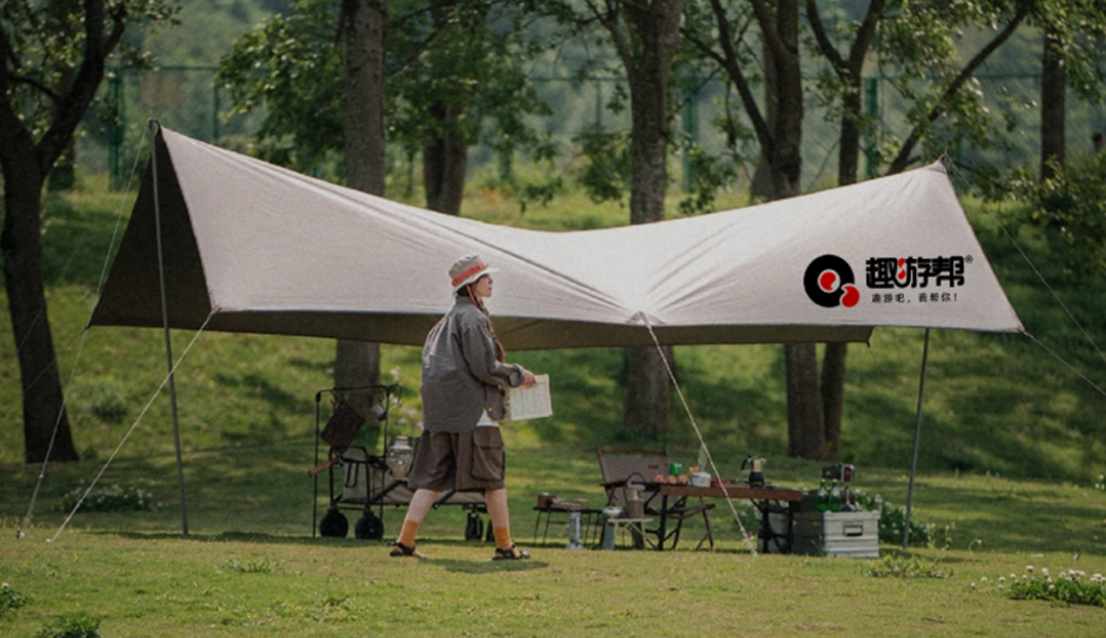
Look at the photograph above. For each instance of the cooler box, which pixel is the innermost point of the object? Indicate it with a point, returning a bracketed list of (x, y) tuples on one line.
[(846, 534)]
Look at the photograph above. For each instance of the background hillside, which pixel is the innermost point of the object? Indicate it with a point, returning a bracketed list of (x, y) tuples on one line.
[(994, 403)]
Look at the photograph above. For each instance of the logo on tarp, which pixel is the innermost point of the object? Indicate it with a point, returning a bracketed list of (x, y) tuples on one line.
[(829, 282), (916, 272)]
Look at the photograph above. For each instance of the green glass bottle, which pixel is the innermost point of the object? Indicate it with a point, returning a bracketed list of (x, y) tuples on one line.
[(822, 502), (835, 498)]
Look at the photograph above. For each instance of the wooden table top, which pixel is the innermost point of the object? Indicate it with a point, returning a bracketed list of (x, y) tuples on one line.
[(734, 491)]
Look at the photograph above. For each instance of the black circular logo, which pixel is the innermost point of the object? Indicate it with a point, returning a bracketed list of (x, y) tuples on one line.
[(829, 282)]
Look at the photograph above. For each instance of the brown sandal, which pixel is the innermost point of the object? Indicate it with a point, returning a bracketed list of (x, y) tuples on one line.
[(400, 550), (511, 553)]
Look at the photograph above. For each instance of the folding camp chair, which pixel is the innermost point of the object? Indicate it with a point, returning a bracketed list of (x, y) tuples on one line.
[(636, 467)]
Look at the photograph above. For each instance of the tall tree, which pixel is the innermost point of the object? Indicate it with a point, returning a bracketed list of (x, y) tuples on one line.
[(364, 23), (1054, 91), (1072, 34), (915, 39), (645, 35), (451, 82), (848, 70), (780, 140), (39, 115), (445, 150)]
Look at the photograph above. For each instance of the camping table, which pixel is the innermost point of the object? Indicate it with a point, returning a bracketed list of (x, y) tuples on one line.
[(760, 496), (587, 516)]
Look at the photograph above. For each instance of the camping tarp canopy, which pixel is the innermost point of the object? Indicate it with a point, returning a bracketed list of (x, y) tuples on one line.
[(261, 249)]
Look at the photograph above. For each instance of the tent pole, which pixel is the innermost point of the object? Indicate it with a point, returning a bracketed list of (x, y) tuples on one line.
[(168, 344), (917, 439)]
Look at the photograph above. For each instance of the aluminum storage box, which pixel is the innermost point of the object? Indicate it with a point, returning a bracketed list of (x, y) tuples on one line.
[(846, 534)]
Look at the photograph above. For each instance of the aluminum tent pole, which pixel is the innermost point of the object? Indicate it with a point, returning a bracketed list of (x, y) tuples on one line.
[(917, 440), (165, 322)]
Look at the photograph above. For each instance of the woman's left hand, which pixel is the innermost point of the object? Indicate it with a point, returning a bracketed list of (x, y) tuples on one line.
[(528, 379)]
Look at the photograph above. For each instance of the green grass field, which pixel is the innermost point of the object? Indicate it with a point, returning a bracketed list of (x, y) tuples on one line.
[(1012, 446)]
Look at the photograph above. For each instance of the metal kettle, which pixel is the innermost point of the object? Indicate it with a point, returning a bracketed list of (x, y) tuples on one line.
[(756, 470)]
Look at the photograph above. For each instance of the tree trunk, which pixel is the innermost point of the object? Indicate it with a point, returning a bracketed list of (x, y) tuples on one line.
[(444, 162), (646, 48), (833, 396), (21, 246), (849, 70), (25, 165), (444, 157), (1054, 83), (786, 152), (803, 439), (761, 187), (644, 390), (836, 353), (357, 363), (804, 401)]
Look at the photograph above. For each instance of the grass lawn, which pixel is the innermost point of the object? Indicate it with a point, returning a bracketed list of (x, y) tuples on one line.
[(1013, 443), (250, 565)]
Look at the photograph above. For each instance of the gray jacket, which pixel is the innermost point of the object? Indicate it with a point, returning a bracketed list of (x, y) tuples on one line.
[(461, 377)]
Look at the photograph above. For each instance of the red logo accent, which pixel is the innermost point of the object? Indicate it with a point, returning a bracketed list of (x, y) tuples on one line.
[(851, 298), (828, 281)]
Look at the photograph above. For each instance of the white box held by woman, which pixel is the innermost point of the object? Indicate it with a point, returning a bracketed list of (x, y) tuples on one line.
[(528, 403)]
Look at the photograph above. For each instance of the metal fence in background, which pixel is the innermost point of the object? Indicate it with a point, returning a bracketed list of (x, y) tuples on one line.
[(188, 100)]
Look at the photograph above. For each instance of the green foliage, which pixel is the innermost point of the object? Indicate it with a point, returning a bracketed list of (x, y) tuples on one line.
[(457, 72), (114, 498), (908, 566), (892, 522), (924, 51), (1073, 206), (709, 175), (606, 174), (1071, 586), (10, 601), (79, 625), (48, 42), (291, 65)]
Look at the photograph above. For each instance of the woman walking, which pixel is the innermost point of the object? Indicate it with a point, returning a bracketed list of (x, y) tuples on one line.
[(461, 448)]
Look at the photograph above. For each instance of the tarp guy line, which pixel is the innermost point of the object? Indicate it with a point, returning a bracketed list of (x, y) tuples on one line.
[(149, 403), (1051, 291), (80, 348), (691, 417), (1044, 282), (53, 437)]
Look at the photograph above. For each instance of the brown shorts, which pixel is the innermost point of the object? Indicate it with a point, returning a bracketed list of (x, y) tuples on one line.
[(466, 461)]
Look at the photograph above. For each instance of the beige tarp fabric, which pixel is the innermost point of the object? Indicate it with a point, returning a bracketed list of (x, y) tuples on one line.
[(263, 249)]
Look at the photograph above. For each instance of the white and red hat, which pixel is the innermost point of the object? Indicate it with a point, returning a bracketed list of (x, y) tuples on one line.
[(467, 270)]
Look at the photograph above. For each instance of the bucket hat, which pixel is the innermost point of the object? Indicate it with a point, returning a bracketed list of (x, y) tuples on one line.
[(467, 270)]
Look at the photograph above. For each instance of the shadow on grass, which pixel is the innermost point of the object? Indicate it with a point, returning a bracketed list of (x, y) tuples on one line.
[(488, 567)]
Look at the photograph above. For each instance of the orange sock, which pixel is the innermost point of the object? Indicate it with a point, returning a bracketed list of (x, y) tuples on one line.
[(502, 537), (408, 533)]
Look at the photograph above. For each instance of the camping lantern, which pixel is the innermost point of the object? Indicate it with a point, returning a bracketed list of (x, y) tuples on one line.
[(399, 456)]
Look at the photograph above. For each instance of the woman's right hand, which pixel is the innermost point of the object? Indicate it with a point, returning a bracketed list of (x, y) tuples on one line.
[(528, 379)]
